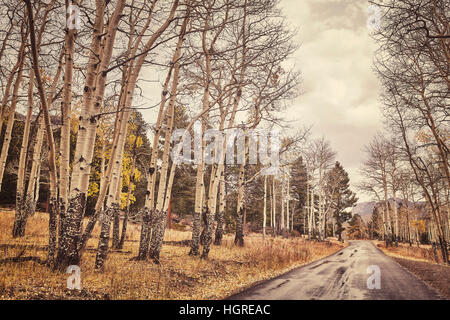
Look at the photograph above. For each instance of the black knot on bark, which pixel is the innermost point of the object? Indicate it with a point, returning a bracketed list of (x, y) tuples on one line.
[(86, 88), (151, 171), (147, 192), (164, 92), (81, 159)]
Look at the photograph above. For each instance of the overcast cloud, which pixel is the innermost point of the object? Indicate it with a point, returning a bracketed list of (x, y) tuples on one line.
[(340, 91)]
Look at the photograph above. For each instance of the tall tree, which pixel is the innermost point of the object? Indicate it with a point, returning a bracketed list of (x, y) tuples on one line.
[(343, 197)]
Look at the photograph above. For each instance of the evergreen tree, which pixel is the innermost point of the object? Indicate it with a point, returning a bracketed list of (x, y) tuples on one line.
[(357, 228), (343, 197)]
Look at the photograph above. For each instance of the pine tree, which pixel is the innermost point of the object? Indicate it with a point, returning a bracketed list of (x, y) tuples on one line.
[(343, 197)]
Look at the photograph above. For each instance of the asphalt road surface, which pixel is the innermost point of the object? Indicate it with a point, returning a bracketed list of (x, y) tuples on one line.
[(345, 276)]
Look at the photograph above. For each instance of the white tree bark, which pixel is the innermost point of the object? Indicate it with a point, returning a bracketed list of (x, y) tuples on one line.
[(12, 112)]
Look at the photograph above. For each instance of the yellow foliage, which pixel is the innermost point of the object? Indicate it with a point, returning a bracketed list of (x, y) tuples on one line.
[(123, 199), (93, 189), (419, 225)]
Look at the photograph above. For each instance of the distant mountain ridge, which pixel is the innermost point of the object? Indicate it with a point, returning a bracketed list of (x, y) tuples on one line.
[(365, 209)]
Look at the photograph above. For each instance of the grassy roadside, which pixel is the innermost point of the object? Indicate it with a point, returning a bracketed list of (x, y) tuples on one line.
[(179, 276), (424, 253), (421, 262)]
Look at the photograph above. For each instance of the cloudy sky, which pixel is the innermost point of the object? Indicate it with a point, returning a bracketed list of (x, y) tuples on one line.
[(340, 91)]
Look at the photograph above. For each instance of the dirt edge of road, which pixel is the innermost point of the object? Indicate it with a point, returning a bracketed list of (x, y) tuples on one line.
[(292, 268), (435, 276)]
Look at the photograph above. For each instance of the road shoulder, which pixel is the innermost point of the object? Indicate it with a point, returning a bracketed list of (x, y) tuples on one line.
[(434, 275)]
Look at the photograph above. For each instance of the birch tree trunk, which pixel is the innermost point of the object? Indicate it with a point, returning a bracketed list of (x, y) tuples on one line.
[(32, 193), (306, 208), (116, 229), (200, 184), (20, 217), (265, 207), (96, 76), (311, 215), (53, 206), (127, 208), (396, 228), (164, 189), (221, 213), (150, 195), (283, 200), (72, 223), (112, 210), (239, 237), (10, 80), (30, 197), (121, 117), (149, 200), (388, 216), (66, 107), (274, 214), (12, 112), (288, 213)]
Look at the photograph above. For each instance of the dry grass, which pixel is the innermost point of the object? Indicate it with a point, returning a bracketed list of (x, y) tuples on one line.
[(179, 276), (423, 253)]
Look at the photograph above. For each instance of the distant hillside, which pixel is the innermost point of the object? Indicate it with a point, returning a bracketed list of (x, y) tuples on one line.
[(365, 209)]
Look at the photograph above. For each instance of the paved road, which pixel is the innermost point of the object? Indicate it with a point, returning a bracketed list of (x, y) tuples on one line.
[(344, 276)]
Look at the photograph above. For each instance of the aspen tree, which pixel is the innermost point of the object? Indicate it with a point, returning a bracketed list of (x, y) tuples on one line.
[(265, 206), (9, 83), (53, 206), (20, 220), (117, 154), (283, 201), (133, 73), (164, 188), (239, 237), (33, 180), (200, 183), (12, 72), (288, 196), (66, 107), (25, 201), (25, 198), (274, 207), (129, 188), (12, 108), (68, 246), (221, 213)]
